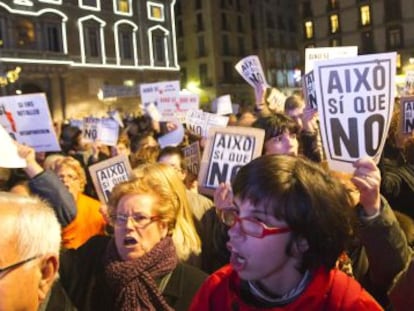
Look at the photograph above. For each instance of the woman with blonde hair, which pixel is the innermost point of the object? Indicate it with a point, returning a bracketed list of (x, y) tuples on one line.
[(140, 267), (184, 234)]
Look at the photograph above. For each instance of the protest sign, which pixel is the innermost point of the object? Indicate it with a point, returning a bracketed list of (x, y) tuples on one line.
[(119, 91), (309, 90), (90, 129), (199, 122), (251, 70), (276, 100), (8, 152), (222, 105), (27, 119), (186, 101), (324, 53), (407, 114), (100, 130), (172, 138), (409, 83), (355, 100), (192, 157), (164, 95), (108, 131), (227, 150), (107, 174)]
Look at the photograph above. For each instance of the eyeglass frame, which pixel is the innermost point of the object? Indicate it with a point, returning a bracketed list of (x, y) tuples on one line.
[(5, 270), (266, 230), (127, 217)]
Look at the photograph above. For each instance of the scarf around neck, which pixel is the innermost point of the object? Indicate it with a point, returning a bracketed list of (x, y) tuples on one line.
[(133, 281)]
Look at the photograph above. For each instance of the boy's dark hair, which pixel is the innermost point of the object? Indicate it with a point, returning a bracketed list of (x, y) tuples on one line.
[(276, 124), (173, 150), (315, 205)]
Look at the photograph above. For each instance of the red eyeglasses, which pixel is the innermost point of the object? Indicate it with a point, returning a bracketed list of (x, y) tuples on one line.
[(249, 226)]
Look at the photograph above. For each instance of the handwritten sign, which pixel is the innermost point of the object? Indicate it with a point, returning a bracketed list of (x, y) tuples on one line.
[(27, 119), (407, 114), (227, 150), (107, 174), (356, 96)]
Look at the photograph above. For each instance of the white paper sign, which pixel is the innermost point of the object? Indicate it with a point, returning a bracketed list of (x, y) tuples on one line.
[(90, 129), (355, 99), (409, 83), (222, 105), (27, 119), (108, 131), (164, 95), (199, 122), (8, 152), (313, 55), (309, 90), (172, 138), (192, 157), (251, 70)]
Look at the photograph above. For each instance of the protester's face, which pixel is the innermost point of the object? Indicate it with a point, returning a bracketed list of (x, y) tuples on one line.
[(285, 143), (70, 179), (297, 115), (135, 237), (263, 260), (119, 149), (174, 161), (19, 286)]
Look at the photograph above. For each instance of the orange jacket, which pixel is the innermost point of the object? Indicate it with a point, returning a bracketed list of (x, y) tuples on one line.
[(88, 223)]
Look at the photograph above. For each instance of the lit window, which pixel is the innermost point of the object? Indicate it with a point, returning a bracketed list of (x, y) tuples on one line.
[(334, 19), (155, 11), (309, 30), (365, 15), (398, 61), (26, 34), (123, 6)]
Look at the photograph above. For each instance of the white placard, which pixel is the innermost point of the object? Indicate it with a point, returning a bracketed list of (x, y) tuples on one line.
[(313, 55), (251, 70), (8, 152), (222, 105), (199, 122), (27, 119), (355, 100), (164, 95)]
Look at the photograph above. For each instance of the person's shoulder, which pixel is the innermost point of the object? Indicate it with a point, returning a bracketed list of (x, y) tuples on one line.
[(347, 292)]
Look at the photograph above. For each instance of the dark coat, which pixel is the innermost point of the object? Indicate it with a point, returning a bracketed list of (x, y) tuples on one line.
[(82, 276)]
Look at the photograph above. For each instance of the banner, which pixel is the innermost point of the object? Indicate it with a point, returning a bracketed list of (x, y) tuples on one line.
[(27, 119), (107, 174), (227, 150), (355, 100)]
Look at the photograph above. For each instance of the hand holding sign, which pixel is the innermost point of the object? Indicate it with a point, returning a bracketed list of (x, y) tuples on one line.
[(367, 178)]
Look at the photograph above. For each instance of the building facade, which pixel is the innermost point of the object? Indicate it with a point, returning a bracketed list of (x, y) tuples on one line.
[(71, 49), (213, 35), (374, 26)]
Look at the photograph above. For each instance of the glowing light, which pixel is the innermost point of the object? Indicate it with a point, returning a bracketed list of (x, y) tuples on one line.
[(153, 7), (193, 86), (23, 2), (116, 11), (51, 1)]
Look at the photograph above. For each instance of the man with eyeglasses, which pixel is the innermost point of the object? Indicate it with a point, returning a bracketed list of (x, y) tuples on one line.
[(29, 253)]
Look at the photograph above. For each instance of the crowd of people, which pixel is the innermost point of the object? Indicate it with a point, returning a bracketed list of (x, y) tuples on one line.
[(286, 234)]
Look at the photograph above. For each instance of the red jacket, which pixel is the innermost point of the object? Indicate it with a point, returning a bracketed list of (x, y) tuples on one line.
[(326, 291)]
